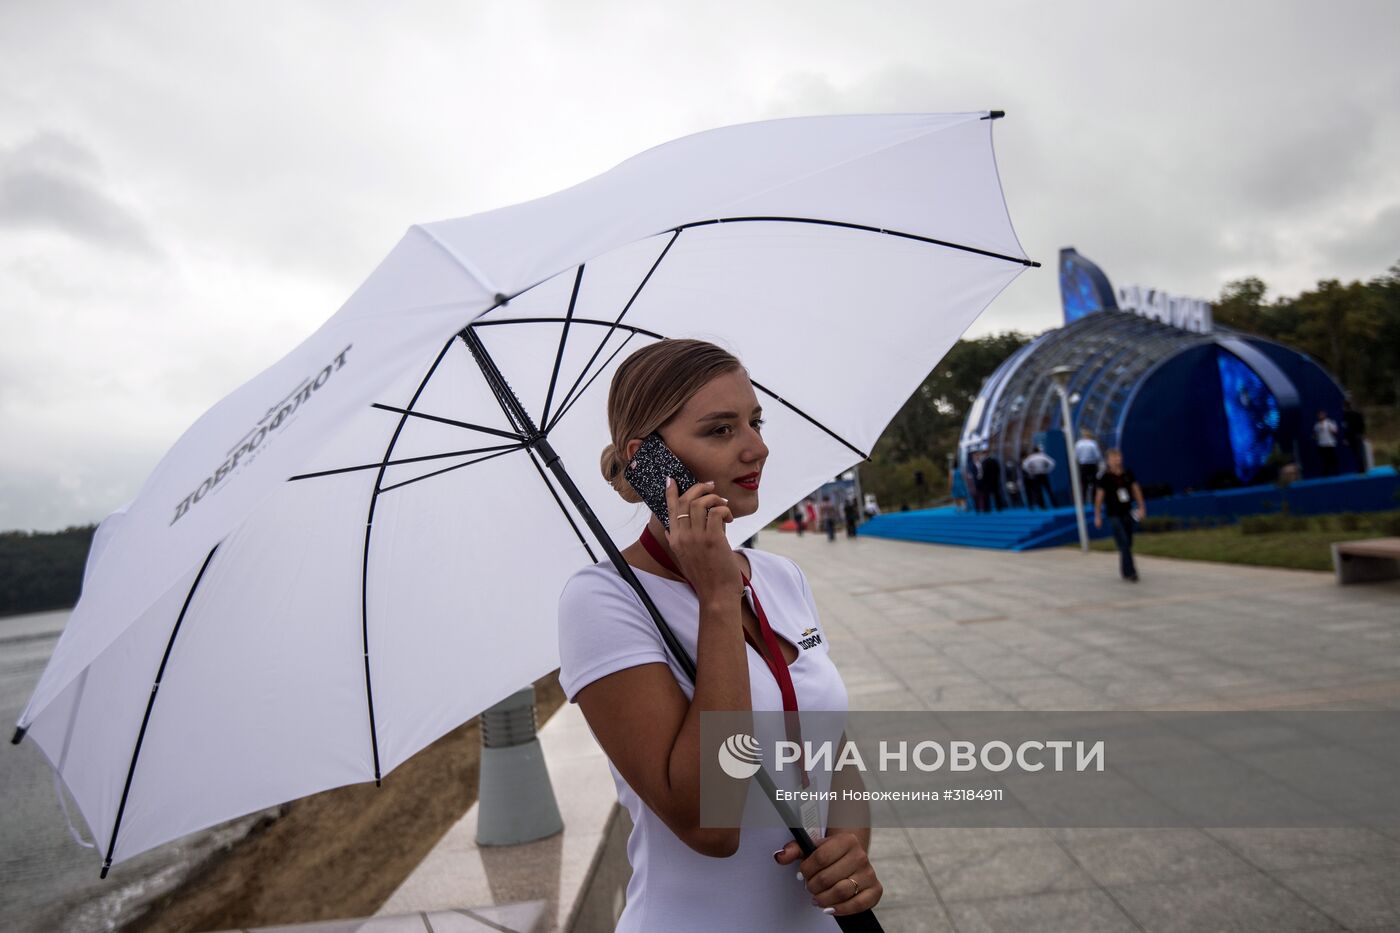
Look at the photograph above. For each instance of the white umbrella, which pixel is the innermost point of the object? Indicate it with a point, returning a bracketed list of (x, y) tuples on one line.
[(362, 547)]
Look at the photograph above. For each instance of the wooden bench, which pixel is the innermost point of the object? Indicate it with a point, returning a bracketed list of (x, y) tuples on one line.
[(1366, 561)]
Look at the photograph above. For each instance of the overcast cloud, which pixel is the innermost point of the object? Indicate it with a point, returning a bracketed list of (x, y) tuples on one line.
[(188, 189)]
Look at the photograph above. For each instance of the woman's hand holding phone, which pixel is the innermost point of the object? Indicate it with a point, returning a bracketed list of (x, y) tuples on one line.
[(702, 551)]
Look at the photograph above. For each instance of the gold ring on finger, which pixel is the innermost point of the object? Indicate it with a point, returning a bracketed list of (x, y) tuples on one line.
[(682, 515), (857, 886)]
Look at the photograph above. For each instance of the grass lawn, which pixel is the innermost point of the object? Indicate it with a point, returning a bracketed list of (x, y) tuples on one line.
[(1305, 548)]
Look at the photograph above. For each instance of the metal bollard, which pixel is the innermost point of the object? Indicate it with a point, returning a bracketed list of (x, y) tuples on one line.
[(516, 801)]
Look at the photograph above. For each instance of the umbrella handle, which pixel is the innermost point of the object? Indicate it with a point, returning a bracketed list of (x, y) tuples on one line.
[(863, 922)]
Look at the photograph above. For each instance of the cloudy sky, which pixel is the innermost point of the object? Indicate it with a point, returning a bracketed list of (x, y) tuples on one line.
[(187, 189)]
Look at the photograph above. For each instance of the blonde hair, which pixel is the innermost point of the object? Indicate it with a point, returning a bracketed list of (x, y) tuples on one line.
[(648, 389)]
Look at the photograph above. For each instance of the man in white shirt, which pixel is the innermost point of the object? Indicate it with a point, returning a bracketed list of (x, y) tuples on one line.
[(1036, 469), (1325, 433), (1089, 458)]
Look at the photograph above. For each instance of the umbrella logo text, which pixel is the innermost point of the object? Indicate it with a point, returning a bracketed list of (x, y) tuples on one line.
[(275, 417)]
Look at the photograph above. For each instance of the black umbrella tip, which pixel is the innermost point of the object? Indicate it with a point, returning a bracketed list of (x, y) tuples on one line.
[(18, 736), (502, 299), (994, 115)]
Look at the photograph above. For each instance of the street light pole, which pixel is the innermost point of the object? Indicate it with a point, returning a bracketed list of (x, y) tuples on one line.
[(1060, 375)]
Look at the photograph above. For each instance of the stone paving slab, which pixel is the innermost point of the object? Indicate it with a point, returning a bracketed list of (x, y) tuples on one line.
[(525, 917), (915, 626), (552, 873)]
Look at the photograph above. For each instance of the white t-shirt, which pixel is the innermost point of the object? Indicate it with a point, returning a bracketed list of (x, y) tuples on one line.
[(604, 628), (1086, 450), (1038, 464), (1326, 432)]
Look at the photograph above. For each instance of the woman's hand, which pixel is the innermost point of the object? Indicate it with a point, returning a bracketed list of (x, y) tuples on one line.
[(829, 871), (696, 537)]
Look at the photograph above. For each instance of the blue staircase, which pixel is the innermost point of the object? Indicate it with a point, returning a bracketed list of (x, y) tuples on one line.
[(1008, 530), (1023, 529)]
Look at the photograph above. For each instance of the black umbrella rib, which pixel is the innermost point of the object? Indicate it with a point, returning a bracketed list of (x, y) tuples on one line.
[(563, 338), (627, 307), (404, 414), (614, 325), (456, 424), (865, 227), (560, 502), (471, 343), (641, 330), (771, 394), (546, 319), (601, 369), (456, 466), (510, 404), (389, 463), (150, 705)]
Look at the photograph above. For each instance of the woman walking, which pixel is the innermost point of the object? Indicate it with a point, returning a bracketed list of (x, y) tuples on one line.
[(644, 712)]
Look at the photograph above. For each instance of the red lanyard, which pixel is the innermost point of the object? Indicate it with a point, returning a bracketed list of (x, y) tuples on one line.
[(773, 656)]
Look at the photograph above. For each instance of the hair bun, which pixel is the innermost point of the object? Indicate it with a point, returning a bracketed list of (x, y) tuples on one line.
[(612, 465)]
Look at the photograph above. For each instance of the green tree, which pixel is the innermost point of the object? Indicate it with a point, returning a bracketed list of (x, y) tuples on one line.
[(925, 431), (1384, 348), (1352, 329), (42, 570), (1241, 305)]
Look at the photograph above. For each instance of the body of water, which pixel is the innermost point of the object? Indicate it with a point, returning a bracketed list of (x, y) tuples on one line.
[(48, 882)]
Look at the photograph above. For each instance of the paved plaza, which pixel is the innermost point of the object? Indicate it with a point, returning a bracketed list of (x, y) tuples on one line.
[(915, 626)]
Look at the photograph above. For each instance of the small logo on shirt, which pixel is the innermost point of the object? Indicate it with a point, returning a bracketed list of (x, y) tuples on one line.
[(739, 756), (810, 638)]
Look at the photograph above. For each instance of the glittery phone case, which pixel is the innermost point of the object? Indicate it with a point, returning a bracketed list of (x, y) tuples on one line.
[(647, 473)]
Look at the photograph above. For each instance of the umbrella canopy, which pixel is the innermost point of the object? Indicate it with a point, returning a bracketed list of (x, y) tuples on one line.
[(359, 549)]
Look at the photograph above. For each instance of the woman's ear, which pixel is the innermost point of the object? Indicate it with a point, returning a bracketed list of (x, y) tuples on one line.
[(631, 450)]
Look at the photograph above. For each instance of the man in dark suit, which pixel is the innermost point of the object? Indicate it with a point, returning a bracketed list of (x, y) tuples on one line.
[(1354, 434), (975, 487), (989, 481)]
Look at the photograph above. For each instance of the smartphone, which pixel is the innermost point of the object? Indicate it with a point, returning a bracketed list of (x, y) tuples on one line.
[(647, 473)]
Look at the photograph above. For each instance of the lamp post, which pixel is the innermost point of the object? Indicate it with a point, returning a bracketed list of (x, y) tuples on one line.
[(1060, 375)]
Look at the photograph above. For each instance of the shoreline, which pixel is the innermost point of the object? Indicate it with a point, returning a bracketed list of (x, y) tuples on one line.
[(337, 854)]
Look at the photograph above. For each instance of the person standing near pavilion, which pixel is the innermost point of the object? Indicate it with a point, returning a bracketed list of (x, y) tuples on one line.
[(852, 515), (1354, 434), (975, 484), (957, 489), (1325, 434), (1089, 459), (1117, 491), (1036, 469), (994, 496), (826, 512)]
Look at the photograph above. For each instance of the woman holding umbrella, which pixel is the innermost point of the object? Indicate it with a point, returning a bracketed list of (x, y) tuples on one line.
[(646, 716)]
